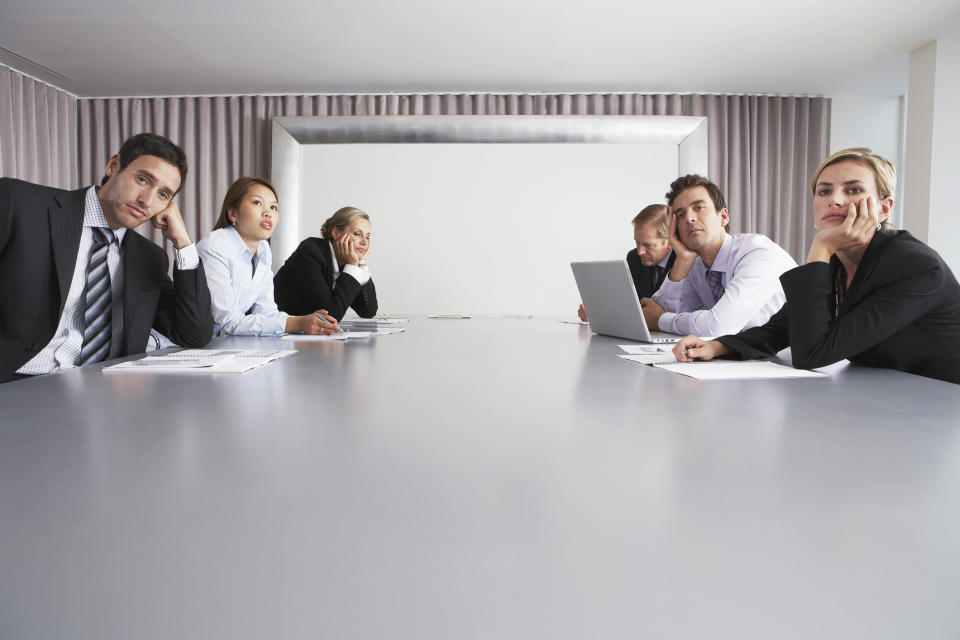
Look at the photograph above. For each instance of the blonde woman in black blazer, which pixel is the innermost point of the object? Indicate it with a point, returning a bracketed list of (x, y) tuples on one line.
[(868, 293), (330, 272)]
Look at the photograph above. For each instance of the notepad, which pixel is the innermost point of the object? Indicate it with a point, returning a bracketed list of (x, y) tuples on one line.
[(371, 322), (333, 337), (737, 370), (202, 361), (650, 358)]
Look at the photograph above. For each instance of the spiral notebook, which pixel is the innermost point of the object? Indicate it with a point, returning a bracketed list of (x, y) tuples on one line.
[(737, 370)]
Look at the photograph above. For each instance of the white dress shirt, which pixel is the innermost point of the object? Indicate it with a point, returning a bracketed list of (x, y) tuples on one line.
[(237, 288), (750, 265), (64, 348)]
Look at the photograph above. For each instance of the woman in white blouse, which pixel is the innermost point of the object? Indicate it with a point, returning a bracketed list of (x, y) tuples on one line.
[(237, 261)]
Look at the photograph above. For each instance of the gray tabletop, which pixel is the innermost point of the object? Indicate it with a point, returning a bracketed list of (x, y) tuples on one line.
[(481, 479)]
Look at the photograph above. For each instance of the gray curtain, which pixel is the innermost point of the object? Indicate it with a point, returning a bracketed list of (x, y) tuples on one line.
[(38, 131), (762, 149)]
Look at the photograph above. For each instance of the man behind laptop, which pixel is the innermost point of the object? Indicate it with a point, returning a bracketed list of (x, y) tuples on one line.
[(653, 257), (719, 283), (77, 286)]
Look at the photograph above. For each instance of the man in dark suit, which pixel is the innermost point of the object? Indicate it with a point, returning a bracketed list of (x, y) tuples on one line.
[(652, 259), (57, 247)]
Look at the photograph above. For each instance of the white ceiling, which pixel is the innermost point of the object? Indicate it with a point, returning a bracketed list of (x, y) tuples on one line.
[(184, 47)]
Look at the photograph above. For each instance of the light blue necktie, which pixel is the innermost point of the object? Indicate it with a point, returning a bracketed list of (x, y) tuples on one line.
[(97, 301)]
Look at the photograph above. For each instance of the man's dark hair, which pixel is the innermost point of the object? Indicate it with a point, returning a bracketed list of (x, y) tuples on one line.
[(150, 144), (693, 180)]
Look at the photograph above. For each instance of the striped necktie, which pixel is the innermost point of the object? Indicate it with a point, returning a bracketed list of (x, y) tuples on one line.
[(715, 280), (97, 301)]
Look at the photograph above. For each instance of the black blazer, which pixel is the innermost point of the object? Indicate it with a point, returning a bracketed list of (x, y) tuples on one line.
[(902, 311), (40, 231), (645, 278), (305, 284)]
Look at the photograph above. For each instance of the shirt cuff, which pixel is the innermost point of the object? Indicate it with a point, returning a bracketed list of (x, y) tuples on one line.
[(360, 274), (186, 258), (666, 321)]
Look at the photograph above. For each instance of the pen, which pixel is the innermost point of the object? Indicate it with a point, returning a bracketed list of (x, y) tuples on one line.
[(322, 319)]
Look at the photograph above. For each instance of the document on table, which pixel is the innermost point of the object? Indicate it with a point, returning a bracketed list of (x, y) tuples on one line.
[(333, 337), (449, 316), (203, 361), (370, 322), (651, 358), (647, 353), (737, 370)]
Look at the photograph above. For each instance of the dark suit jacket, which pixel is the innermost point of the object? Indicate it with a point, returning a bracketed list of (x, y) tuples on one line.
[(902, 311), (40, 231), (305, 284), (644, 278)]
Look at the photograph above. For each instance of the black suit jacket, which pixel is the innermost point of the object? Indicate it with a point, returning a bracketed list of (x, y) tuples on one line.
[(40, 231), (645, 278), (902, 311), (305, 284)]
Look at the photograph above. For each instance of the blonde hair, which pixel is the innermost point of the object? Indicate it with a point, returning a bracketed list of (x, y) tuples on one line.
[(654, 213), (883, 171), (341, 220)]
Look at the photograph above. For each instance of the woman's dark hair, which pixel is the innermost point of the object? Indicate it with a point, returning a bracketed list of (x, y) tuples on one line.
[(235, 194)]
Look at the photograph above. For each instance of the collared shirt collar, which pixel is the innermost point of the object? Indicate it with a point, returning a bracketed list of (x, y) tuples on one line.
[(93, 215), (333, 260), (240, 248), (722, 261)]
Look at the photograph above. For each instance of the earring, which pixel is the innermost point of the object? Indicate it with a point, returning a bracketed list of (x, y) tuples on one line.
[(233, 222), (879, 226)]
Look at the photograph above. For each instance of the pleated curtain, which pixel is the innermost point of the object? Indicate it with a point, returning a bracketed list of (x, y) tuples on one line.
[(762, 149), (38, 131)]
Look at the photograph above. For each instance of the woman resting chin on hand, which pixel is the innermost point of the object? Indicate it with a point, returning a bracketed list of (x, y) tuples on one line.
[(330, 272), (868, 293)]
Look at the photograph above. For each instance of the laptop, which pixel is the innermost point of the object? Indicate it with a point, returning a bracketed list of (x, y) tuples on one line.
[(611, 301)]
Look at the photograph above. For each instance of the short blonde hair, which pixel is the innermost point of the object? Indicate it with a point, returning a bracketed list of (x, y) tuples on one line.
[(882, 169), (655, 214), (341, 220), (883, 172)]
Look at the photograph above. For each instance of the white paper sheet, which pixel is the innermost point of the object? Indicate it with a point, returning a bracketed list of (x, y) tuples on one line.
[(737, 370), (203, 361)]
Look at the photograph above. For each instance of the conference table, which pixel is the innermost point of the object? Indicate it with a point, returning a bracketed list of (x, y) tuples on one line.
[(486, 478)]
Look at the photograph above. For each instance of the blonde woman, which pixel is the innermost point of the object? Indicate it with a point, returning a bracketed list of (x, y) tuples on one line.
[(237, 260), (867, 293), (330, 271)]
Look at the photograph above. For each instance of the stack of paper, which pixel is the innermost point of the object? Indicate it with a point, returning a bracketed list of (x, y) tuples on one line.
[(648, 353), (737, 370), (371, 323), (203, 361)]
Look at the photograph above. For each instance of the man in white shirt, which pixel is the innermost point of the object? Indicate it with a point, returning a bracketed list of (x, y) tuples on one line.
[(719, 283)]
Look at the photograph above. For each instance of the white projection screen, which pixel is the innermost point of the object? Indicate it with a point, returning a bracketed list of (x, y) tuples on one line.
[(480, 214)]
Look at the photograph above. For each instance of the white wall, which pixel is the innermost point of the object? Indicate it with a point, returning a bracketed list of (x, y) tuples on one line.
[(945, 163), (485, 228), (933, 137), (870, 121), (915, 182)]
